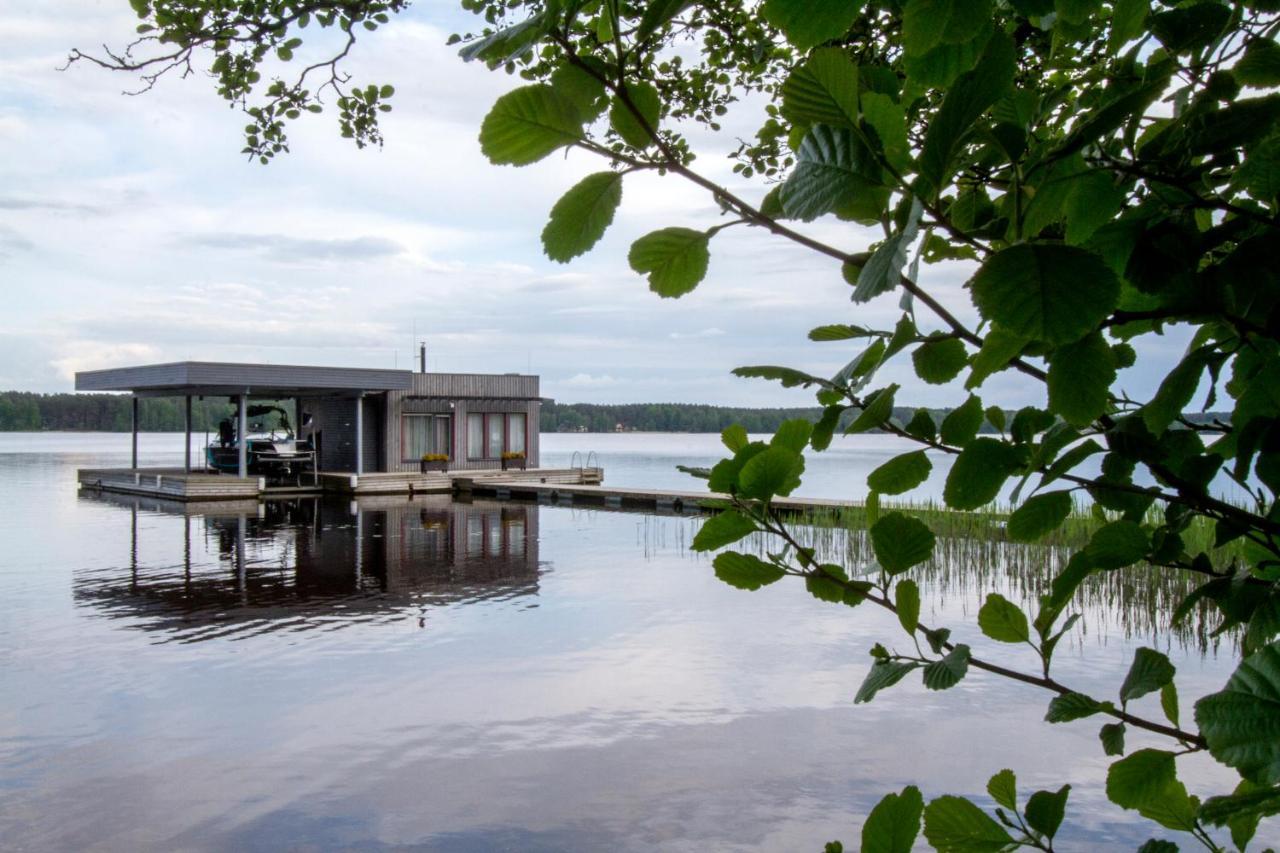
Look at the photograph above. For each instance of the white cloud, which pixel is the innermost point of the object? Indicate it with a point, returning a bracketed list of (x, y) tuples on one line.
[(586, 380)]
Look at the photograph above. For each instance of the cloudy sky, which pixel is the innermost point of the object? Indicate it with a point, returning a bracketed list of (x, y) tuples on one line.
[(132, 231)]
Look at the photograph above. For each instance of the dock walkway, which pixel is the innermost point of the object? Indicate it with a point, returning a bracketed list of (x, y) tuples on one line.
[(176, 484), (621, 496)]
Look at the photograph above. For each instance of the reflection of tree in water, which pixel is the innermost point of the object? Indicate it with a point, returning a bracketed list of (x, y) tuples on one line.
[(311, 563)]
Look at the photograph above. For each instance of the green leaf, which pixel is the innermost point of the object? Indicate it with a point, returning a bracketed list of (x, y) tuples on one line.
[(509, 43), (657, 14), (1175, 392), (962, 423), (888, 119), (883, 673), (1149, 672), (833, 170), (1127, 19), (839, 332), (1003, 788), (907, 600), (877, 410), (946, 673), (1112, 737), (1038, 516), (928, 23), (745, 571), (580, 217), (1072, 706), (808, 23), (1241, 723), (824, 588), (793, 434), (527, 124), (586, 92), (1147, 781), (675, 259), (939, 361), (723, 529), (725, 473), (644, 98), (789, 377), (922, 425), (1080, 377), (1249, 802), (979, 472), (901, 473), (894, 823), (1169, 702), (900, 542), (734, 437), (822, 90), (1045, 810), (1045, 292), (883, 270), (1002, 620), (965, 102), (776, 471), (998, 349), (1118, 544), (955, 825), (1260, 65)]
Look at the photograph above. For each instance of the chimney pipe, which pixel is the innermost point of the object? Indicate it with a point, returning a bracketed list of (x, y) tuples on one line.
[(422, 357)]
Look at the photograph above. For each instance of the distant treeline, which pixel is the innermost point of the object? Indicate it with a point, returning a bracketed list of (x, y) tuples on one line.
[(682, 417), (21, 411), (25, 412), (693, 417)]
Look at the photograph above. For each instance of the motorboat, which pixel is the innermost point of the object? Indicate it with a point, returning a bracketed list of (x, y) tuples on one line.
[(274, 452)]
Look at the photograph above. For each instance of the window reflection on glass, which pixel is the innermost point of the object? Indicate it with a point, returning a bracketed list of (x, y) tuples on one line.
[(475, 436), (496, 430), (516, 430), (425, 434)]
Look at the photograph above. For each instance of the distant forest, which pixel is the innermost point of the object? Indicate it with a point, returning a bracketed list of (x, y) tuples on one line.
[(22, 411)]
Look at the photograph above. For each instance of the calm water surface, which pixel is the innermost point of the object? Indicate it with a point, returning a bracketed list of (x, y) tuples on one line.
[(429, 675)]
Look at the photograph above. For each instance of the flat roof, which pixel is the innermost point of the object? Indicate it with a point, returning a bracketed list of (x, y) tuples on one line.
[(217, 379)]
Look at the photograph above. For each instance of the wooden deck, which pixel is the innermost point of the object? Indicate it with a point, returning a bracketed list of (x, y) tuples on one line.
[(172, 483), (176, 484), (614, 496)]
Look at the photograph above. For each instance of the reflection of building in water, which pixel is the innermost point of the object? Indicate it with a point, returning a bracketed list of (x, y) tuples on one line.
[(309, 562)]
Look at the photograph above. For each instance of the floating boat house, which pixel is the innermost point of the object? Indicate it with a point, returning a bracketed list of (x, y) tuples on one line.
[(363, 430)]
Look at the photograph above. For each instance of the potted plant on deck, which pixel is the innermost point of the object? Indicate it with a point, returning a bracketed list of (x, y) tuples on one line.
[(513, 460), (434, 462)]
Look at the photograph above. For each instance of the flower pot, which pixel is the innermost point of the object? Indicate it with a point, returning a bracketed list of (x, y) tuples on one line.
[(439, 465), (513, 464)]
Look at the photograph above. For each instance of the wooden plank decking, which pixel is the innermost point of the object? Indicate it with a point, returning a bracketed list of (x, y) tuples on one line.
[(176, 484), (628, 497)]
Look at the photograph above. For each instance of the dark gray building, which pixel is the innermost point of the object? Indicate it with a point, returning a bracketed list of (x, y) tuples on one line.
[(359, 420)]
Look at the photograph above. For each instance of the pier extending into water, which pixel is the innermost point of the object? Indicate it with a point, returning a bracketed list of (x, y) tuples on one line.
[(595, 494), (177, 484)]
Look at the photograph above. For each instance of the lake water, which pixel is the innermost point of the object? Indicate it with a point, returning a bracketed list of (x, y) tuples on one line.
[(430, 675)]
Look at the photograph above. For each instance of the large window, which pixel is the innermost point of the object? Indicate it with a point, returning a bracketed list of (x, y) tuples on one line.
[(422, 434), (475, 436), (515, 433), (490, 435), (497, 430)]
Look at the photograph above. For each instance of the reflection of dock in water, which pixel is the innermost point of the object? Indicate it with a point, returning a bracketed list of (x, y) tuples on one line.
[(232, 568)]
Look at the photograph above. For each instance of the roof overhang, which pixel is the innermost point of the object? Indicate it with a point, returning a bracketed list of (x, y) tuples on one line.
[(218, 379)]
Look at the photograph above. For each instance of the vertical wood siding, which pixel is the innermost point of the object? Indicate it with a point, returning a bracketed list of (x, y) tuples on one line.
[(432, 393)]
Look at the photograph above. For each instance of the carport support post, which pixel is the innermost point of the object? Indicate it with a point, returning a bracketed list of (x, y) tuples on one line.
[(186, 428), (359, 435), (242, 417), (133, 427)]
